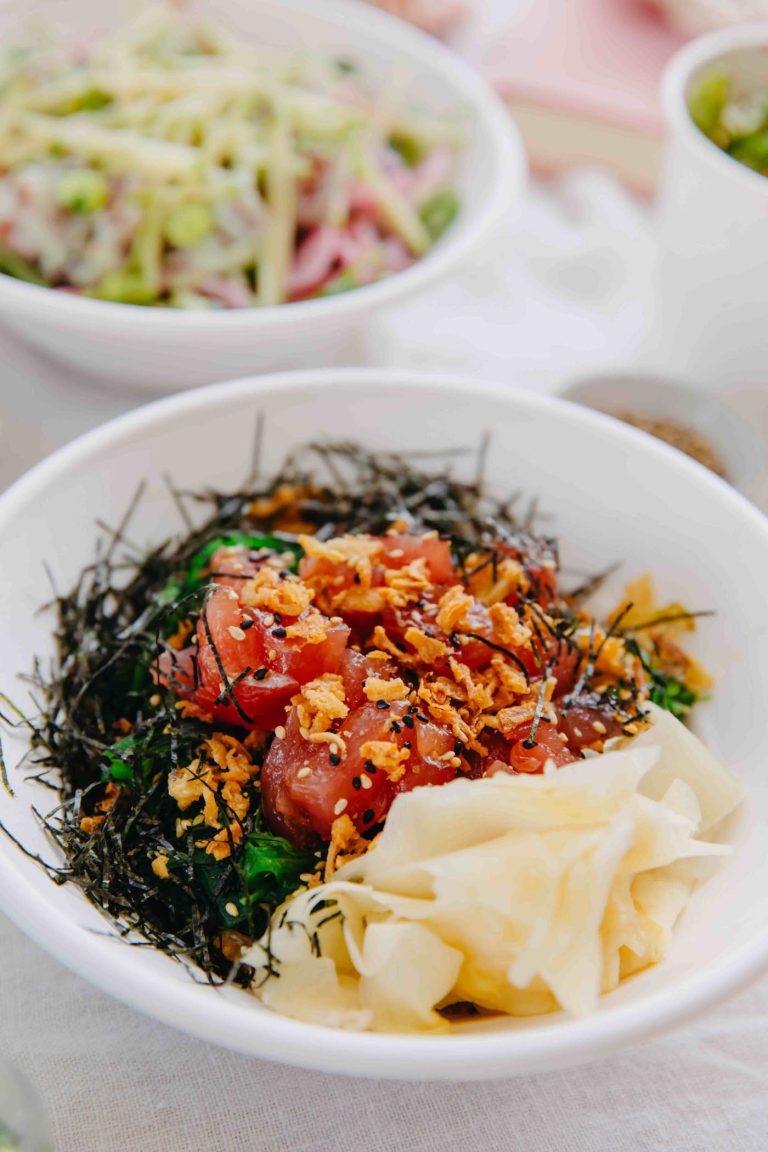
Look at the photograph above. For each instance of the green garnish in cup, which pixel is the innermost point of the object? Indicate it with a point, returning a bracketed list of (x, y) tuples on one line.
[(738, 125)]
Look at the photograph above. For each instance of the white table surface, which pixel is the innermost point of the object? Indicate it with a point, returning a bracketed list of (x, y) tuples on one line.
[(112, 1080)]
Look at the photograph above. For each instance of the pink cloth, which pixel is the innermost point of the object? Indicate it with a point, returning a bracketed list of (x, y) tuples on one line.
[(437, 16)]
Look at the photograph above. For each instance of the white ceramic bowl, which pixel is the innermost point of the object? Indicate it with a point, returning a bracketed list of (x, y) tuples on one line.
[(655, 397), (713, 227), (164, 348), (614, 494)]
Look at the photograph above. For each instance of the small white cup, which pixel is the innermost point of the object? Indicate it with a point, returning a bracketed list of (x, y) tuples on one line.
[(712, 297)]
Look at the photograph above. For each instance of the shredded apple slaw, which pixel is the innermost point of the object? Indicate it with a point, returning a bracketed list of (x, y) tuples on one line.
[(174, 164)]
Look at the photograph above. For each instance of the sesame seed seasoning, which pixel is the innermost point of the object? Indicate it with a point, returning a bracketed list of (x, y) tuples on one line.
[(455, 762), (394, 726), (246, 624), (366, 782), (303, 773), (408, 721), (333, 749), (339, 806), (260, 673), (382, 705), (334, 759), (279, 633), (269, 620), (599, 727), (272, 654), (232, 909), (235, 632), (407, 744), (369, 767), (357, 783), (280, 732), (369, 816)]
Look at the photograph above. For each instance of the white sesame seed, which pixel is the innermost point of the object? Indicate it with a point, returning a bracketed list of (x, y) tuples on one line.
[(272, 654), (303, 773), (231, 593), (455, 762), (366, 782), (599, 727), (269, 620), (333, 749), (339, 806), (280, 732), (235, 632)]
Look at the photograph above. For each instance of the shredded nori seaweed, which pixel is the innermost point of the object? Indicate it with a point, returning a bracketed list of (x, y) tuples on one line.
[(105, 719)]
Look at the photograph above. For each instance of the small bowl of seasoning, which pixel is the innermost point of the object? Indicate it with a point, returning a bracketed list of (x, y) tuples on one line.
[(694, 422)]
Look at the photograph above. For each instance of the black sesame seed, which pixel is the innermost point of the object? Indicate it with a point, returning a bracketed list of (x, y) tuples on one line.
[(334, 759), (246, 624), (382, 705), (408, 721), (368, 816), (356, 578), (407, 744), (369, 767), (279, 633), (424, 719), (357, 783), (458, 748), (413, 708), (394, 726), (278, 618), (260, 673)]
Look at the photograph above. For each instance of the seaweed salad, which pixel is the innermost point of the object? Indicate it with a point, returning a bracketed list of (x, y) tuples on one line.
[(229, 716)]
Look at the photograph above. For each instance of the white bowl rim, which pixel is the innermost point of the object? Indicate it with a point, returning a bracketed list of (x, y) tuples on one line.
[(460, 1056), (704, 50), (460, 239)]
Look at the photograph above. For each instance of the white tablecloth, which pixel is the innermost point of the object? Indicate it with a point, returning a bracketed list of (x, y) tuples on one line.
[(575, 265)]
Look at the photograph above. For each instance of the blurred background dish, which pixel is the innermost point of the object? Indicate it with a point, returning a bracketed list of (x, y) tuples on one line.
[(694, 422), (712, 311), (169, 347)]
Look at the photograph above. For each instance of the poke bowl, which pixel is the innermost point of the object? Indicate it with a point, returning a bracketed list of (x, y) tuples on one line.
[(209, 189), (615, 500)]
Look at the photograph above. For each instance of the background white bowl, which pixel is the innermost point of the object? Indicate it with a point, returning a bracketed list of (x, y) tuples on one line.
[(611, 493), (712, 308), (158, 347)]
